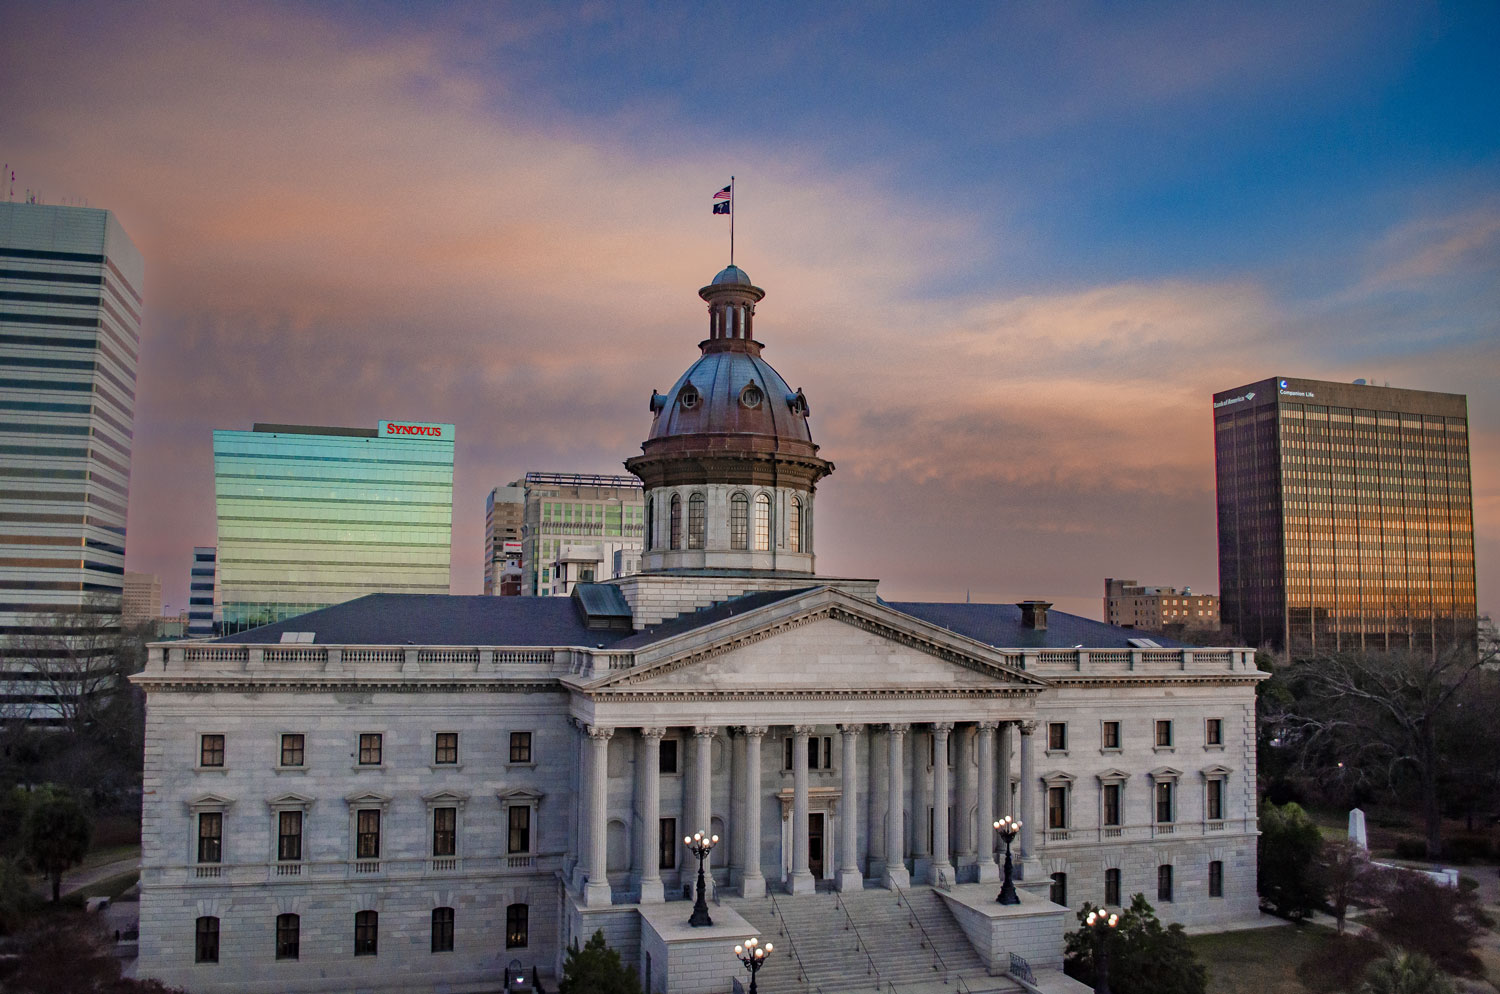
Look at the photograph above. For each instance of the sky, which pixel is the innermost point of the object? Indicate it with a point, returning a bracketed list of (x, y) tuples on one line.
[(1009, 249)]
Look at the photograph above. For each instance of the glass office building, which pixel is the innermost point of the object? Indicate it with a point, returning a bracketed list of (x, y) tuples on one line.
[(1345, 516), (70, 321), (313, 516)]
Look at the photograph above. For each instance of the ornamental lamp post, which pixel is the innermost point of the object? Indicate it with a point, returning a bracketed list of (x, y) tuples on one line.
[(700, 844), (1100, 925), (753, 955), (1008, 828)]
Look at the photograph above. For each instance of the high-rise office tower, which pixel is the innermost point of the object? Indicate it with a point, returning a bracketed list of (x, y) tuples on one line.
[(579, 528), (203, 619), (312, 516), (70, 322), (141, 601), (1345, 515), (504, 513)]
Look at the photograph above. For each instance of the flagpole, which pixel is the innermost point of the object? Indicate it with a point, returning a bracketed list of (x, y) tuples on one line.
[(731, 219)]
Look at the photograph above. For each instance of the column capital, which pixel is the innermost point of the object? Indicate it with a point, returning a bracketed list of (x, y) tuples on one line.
[(1027, 727), (942, 726), (851, 730), (705, 731), (653, 733), (803, 731), (752, 731), (899, 727), (599, 731), (987, 726)]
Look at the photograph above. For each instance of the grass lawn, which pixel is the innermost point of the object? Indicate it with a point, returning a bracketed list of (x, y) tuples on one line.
[(1259, 961), (98, 857)]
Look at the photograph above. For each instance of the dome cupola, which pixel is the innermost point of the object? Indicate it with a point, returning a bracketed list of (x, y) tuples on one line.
[(730, 466)]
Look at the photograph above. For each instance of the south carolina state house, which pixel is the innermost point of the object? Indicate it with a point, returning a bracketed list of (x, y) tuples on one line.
[(421, 792)]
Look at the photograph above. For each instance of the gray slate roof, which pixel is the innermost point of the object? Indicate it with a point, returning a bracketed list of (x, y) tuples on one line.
[(442, 619)]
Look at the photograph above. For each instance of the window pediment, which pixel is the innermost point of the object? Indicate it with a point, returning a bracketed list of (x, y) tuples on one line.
[(1058, 778), (1113, 776), (519, 795), (1217, 770), (367, 798), (210, 802), (1165, 773), (291, 800), (446, 797)]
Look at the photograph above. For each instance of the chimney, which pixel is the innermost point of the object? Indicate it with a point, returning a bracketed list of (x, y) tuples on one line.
[(1034, 614)]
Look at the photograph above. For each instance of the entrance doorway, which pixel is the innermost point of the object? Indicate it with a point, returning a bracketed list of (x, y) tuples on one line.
[(815, 845)]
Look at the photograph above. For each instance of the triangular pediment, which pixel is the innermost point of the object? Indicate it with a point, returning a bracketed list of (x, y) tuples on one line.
[(1217, 770), (210, 801), (446, 796), (368, 798), (823, 641), (1113, 776), (291, 799)]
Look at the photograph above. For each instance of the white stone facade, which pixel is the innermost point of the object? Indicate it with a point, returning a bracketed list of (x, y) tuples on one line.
[(781, 723)]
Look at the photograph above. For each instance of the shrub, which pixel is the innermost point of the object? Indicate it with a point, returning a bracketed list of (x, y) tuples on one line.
[(1144, 957), (1401, 972), (597, 969), (1442, 923), (1287, 875)]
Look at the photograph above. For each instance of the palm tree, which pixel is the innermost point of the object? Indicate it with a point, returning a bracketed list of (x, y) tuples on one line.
[(1401, 972)]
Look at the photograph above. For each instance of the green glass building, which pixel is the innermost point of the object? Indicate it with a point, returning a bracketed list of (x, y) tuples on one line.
[(312, 516)]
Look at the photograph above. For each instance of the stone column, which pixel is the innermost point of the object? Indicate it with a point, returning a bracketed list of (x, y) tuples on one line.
[(941, 869), (895, 812), (1002, 772), (880, 782), (921, 803), (648, 788), (735, 828), (752, 881), (801, 881), (989, 870), (596, 892), (1028, 790), (703, 781), (963, 788), (849, 877)]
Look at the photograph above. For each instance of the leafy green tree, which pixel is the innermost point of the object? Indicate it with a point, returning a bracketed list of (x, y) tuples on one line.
[(1287, 875), (597, 969), (1401, 972), (1144, 956), (58, 831), (17, 901)]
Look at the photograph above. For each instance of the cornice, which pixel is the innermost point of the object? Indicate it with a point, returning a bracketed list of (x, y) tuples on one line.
[(260, 684), (1153, 679), (903, 693)]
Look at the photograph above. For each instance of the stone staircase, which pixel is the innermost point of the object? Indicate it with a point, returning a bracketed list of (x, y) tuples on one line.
[(866, 941)]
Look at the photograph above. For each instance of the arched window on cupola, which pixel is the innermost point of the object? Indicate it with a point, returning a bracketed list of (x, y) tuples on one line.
[(739, 522), (697, 521), (762, 523), (794, 525), (676, 522), (650, 523)]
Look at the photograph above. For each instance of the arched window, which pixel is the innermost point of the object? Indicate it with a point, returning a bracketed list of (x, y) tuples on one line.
[(650, 523), (739, 522), (517, 926), (697, 521), (366, 933), (762, 523), (442, 930), (676, 525), (206, 940), (288, 936), (794, 526)]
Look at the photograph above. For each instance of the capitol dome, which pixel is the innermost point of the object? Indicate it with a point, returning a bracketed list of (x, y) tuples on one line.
[(729, 466)]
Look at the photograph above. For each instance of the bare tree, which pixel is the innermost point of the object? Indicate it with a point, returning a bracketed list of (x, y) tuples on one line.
[(74, 659), (1379, 718)]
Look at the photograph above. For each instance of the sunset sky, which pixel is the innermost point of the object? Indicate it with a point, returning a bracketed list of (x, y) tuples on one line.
[(1009, 249)]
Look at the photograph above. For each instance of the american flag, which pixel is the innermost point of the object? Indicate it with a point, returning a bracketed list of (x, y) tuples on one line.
[(723, 194)]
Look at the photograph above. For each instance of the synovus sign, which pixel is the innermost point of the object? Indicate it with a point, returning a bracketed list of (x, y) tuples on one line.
[(412, 429)]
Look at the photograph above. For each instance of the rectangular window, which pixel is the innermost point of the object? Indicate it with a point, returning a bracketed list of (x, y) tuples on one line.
[(206, 943), (517, 926), (442, 930), (211, 751), (668, 756), (1164, 803), (1164, 882), (367, 834), (667, 859), (292, 750), (519, 841), (445, 831), (1057, 736), (1164, 734), (289, 836), (1111, 735), (1057, 807), (1112, 887), (210, 837), (366, 932), (288, 936), (1215, 800), (370, 748), (1213, 732), (1215, 879), (520, 747), (1059, 891), (1111, 804), (445, 748)]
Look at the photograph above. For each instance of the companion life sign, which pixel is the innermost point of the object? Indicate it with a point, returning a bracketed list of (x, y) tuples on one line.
[(415, 429)]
